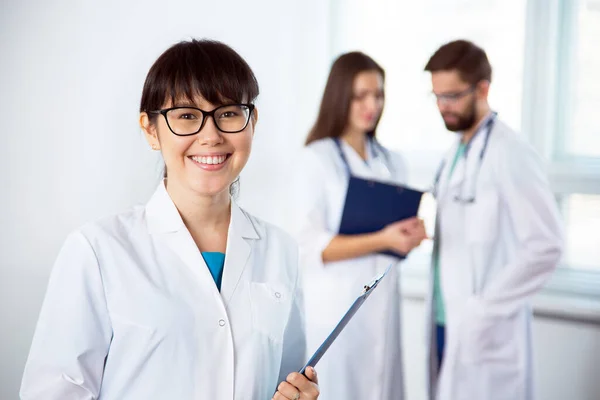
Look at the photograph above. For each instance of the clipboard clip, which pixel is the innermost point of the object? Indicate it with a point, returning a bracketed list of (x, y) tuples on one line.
[(371, 285)]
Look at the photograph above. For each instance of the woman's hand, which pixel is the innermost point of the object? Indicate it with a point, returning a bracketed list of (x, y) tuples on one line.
[(403, 236), (299, 387)]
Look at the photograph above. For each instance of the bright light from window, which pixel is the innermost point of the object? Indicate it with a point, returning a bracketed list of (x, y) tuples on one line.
[(582, 136), (582, 219)]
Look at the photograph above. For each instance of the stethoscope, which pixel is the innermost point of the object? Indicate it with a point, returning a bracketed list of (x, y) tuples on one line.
[(470, 198), (375, 153)]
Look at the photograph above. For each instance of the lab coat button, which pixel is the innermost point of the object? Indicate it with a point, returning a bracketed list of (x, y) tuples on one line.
[(221, 322), (278, 295)]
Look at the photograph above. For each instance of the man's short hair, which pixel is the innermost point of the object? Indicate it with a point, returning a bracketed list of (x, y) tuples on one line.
[(468, 59)]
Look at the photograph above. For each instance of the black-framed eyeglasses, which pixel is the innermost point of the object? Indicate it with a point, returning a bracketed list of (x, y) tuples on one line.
[(453, 97), (187, 121)]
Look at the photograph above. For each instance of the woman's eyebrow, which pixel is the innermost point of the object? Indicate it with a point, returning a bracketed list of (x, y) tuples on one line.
[(184, 104), (367, 91)]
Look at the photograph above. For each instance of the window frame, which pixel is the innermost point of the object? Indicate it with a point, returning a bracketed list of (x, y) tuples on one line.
[(550, 30)]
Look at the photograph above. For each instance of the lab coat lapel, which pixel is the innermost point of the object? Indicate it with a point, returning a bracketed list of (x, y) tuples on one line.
[(376, 167), (458, 175), (166, 226), (443, 183), (358, 166), (465, 167), (473, 158), (239, 248)]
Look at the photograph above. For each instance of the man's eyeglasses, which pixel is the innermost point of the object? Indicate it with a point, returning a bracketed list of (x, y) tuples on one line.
[(453, 97)]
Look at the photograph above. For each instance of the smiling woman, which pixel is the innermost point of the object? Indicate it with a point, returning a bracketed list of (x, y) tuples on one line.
[(189, 296), (226, 80)]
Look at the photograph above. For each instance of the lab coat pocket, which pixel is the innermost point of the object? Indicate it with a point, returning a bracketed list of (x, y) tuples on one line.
[(483, 217), (131, 337), (270, 305), (489, 339)]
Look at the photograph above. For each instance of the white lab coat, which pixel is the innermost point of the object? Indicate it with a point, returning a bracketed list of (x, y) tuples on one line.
[(494, 255), (132, 312), (365, 362)]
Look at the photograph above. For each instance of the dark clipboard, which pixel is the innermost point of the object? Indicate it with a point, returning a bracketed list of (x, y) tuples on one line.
[(366, 292), (371, 205)]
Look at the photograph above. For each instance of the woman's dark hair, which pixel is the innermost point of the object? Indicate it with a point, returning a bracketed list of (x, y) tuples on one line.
[(207, 68), (338, 94), (203, 67), (468, 59)]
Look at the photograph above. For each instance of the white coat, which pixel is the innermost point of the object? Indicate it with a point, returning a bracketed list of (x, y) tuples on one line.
[(132, 312), (495, 254), (365, 362)]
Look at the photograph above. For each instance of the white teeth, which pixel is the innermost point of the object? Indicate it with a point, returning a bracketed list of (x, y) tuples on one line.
[(210, 160)]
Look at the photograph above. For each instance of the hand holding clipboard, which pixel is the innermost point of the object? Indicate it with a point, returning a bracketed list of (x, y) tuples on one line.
[(371, 205)]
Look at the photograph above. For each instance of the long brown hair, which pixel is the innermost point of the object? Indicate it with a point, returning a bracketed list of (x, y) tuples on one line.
[(335, 105)]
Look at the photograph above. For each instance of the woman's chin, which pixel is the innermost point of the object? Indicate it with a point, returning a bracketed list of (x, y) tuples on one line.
[(210, 189), (366, 126)]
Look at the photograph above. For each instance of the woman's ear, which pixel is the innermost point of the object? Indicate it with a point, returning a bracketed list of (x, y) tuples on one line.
[(254, 116), (254, 119), (149, 131)]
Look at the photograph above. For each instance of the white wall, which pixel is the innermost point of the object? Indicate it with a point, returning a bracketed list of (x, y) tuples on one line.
[(71, 77)]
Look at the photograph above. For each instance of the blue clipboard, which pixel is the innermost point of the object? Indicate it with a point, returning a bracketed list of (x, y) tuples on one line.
[(366, 292), (371, 205)]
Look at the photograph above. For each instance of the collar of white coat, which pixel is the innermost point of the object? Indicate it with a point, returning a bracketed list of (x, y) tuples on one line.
[(476, 143), (482, 129), (468, 162), (365, 168), (162, 216)]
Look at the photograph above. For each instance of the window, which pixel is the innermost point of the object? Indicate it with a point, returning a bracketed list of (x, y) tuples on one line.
[(581, 137), (562, 103), (582, 219), (545, 56)]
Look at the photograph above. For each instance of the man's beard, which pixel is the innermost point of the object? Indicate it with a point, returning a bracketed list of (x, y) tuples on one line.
[(464, 122)]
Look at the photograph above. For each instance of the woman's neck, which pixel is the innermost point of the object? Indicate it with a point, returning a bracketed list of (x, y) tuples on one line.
[(206, 217), (357, 140)]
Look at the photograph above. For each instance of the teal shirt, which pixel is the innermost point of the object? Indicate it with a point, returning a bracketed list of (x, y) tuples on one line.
[(438, 300), (215, 262)]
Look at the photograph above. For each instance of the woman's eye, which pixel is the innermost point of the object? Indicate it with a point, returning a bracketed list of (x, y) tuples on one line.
[(228, 114), (187, 116)]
